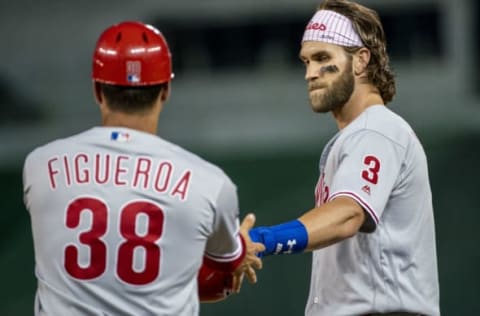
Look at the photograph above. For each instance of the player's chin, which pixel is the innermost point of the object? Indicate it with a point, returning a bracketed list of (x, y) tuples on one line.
[(317, 106)]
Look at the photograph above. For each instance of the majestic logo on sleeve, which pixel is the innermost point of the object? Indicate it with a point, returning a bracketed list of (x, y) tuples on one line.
[(366, 189), (322, 191)]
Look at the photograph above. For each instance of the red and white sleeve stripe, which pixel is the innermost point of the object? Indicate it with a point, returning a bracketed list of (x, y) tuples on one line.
[(227, 262), (360, 201)]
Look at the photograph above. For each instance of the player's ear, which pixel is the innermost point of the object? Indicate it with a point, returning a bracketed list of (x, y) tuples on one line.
[(165, 92), (100, 98), (97, 92), (360, 61)]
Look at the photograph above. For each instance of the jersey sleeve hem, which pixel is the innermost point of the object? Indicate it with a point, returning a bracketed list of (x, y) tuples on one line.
[(227, 262), (362, 202)]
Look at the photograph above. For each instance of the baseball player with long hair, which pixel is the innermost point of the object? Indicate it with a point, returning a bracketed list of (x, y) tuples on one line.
[(125, 222), (372, 229)]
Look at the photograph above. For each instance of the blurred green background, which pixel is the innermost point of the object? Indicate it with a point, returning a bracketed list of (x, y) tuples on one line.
[(279, 188)]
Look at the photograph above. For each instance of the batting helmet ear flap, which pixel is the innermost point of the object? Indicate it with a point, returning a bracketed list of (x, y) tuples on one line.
[(132, 54)]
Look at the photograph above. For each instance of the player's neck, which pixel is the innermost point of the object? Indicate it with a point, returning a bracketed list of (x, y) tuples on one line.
[(358, 103), (144, 123)]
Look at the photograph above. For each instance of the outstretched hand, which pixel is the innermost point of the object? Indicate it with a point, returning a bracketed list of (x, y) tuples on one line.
[(251, 260)]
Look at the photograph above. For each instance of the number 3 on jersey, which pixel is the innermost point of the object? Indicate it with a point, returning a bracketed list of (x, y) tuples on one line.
[(126, 250), (371, 173)]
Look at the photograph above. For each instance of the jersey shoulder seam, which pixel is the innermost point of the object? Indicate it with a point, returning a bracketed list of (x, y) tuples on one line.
[(367, 129)]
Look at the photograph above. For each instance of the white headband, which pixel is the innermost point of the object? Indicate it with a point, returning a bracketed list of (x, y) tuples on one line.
[(331, 27)]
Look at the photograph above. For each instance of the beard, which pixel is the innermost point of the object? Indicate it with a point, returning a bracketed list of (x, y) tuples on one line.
[(336, 95)]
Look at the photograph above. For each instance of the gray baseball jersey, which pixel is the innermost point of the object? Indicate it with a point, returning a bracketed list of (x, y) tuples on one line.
[(121, 221), (390, 265)]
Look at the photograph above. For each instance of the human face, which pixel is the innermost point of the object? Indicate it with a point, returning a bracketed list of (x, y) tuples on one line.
[(329, 87)]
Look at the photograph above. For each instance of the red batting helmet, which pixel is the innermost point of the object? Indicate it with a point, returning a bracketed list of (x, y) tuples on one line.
[(132, 54)]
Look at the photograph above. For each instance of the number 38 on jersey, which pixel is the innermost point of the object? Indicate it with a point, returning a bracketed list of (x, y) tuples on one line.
[(131, 241)]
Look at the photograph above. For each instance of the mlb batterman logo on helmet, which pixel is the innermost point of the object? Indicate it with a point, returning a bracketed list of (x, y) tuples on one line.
[(132, 54)]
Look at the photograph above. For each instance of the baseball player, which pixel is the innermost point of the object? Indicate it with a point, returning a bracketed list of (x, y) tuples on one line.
[(122, 219), (372, 228)]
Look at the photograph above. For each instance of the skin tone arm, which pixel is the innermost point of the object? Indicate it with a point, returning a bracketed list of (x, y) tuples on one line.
[(332, 222)]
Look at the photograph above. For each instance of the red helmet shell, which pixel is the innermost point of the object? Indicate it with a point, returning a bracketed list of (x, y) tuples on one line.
[(132, 54)]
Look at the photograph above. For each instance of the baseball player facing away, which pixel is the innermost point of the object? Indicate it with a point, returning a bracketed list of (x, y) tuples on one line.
[(372, 228), (122, 219)]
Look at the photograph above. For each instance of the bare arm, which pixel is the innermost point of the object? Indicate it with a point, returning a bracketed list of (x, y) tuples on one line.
[(332, 222), (320, 227)]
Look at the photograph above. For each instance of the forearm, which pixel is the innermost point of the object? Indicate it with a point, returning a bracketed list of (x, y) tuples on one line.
[(317, 228), (332, 222)]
